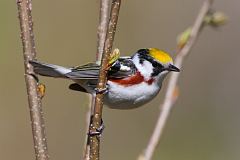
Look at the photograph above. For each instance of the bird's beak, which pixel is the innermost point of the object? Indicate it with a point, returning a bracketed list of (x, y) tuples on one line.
[(173, 68)]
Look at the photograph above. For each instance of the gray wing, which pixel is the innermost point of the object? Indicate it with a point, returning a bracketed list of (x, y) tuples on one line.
[(122, 68), (87, 71)]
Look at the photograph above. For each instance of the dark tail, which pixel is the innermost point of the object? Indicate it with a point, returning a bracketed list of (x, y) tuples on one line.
[(49, 70)]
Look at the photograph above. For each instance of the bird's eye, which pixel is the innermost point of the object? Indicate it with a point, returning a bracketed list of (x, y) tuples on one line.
[(156, 65)]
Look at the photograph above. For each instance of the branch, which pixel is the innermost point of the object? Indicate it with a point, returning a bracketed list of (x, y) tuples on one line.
[(101, 36), (34, 99), (169, 99), (97, 116), (102, 28)]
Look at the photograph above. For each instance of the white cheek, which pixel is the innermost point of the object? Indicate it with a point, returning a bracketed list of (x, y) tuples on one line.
[(145, 69)]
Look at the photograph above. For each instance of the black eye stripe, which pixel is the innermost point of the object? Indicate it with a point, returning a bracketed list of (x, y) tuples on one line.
[(156, 64), (157, 68)]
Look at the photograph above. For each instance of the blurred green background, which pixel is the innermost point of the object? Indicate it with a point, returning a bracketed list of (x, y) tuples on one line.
[(205, 121)]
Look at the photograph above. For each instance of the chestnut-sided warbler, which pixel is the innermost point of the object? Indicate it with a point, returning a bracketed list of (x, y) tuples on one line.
[(132, 81)]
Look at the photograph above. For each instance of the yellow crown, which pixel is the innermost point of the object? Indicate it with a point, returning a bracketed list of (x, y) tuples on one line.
[(159, 55)]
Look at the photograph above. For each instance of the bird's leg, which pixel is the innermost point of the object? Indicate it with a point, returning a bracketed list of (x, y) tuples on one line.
[(98, 131), (102, 90)]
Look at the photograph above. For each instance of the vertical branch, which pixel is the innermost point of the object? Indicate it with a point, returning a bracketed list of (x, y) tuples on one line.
[(101, 36), (34, 100), (102, 28), (94, 140), (169, 98)]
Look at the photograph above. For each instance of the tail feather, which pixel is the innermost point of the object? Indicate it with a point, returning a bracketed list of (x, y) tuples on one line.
[(49, 70)]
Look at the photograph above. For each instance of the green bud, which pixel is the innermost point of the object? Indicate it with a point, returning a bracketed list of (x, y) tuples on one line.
[(216, 19), (183, 38)]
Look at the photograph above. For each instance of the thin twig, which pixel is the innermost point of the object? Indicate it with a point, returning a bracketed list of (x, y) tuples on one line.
[(97, 116), (101, 36), (102, 27), (169, 100), (34, 100)]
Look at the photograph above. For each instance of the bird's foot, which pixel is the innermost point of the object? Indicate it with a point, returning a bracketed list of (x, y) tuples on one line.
[(102, 90), (98, 131)]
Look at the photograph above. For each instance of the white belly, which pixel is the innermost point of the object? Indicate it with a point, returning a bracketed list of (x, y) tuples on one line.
[(129, 97)]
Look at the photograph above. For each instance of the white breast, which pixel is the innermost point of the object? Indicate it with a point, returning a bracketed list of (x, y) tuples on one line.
[(120, 97)]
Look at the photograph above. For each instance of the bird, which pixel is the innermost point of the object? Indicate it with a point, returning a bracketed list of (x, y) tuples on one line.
[(132, 81)]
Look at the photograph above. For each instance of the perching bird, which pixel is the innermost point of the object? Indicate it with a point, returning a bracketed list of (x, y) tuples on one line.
[(131, 81)]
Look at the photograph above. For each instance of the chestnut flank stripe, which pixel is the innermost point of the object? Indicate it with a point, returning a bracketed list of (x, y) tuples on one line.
[(129, 81)]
